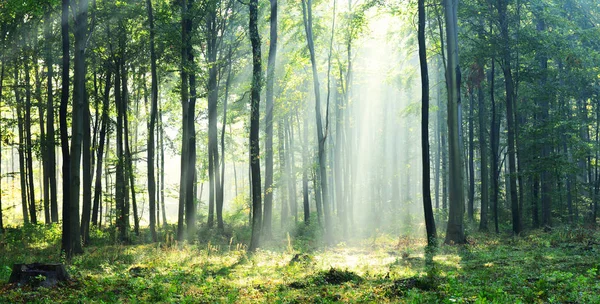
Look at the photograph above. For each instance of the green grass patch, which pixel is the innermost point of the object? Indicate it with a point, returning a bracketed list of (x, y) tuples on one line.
[(561, 266)]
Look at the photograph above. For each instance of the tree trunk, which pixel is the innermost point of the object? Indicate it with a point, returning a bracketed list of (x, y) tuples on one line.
[(162, 166), (282, 174), (87, 175), (225, 102), (305, 168), (100, 153), (254, 126), (510, 113), (471, 203), (20, 147), (50, 141), (427, 208), (153, 114), (495, 144), (27, 134), (190, 206), (129, 174), (184, 121), (67, 238), (122, 220), (269, 123), (455, 231), (321, 134), (213, 150), (483, 152), (79, 106)]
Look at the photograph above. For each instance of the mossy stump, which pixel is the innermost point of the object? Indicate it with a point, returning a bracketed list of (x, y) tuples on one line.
[(38, 274)]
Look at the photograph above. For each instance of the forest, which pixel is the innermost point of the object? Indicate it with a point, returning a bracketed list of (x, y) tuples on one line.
[(299, 151)]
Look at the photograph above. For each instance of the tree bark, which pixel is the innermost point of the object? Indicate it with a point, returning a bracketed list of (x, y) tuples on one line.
[(426, 184), (254, 126), (321, 134), (269, 123), (153, 114), (27, 134), (79, 105), (50, 141), (483, 152), (510, 114), (100, 153), (455, 231)]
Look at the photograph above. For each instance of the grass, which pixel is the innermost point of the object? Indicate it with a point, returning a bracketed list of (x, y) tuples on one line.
[(557, 267)]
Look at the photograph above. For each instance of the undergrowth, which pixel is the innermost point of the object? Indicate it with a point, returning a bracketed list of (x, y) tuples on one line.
[(560, 266)]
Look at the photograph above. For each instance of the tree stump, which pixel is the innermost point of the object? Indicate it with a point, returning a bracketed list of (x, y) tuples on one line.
[(38, 274)]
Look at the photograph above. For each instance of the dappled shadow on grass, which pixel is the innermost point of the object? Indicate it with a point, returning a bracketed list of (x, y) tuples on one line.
[(535, 267)]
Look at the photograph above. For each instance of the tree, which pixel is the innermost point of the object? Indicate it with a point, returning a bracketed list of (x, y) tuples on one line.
[(254, 126), (427, 207), (50, 140), (510, 112), (321, 134), (152, 127), (269, 122), (455, 231)]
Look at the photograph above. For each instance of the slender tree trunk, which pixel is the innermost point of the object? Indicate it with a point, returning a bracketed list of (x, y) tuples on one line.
[(20, 149), (27, 134), (213, 96), (269, 123), (162, 166), (321, 133), (67, 237), (43, 146), (122, 220), (129, 174), (185, 112), (483, 152), (546, 182), (50, 141), (471, 208), (225, 102), (100, 153), (455, 231), (153, 114), (305, 168), (495, 144), (427, 208), (254, 126), (79, 106), (510, 114), (87, 174), (190, 206), (282, 173)]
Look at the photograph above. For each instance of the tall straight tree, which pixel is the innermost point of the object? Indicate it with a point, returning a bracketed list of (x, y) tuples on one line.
[(427, 208), (455, 231), (153, 114), (254, 126), (71, 241), (67, 238), (502, 7), (100, 152), (321, 135), (269, 123), (190, 141), (213, 98), (185, 114), (50, 141)]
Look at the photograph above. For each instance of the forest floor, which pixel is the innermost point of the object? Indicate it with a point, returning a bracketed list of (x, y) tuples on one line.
[(561, 266)]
